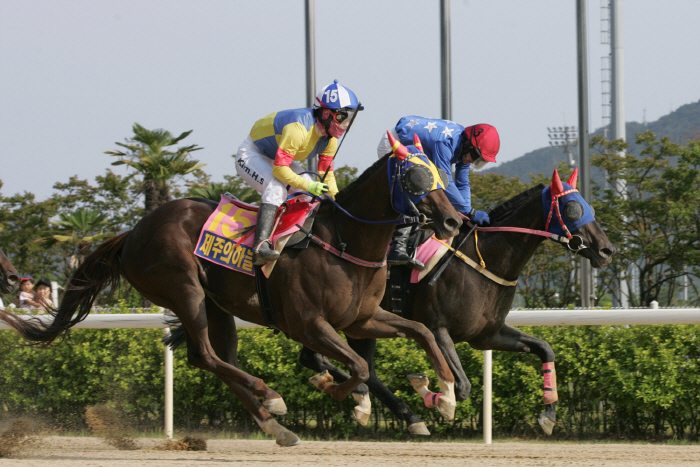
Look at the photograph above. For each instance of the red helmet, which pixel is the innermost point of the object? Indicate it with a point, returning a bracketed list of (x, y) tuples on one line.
[(484, 138)]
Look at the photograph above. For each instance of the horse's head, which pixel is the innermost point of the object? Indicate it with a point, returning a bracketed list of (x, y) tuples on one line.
[(9, 277), (568, 215), (418, 188)]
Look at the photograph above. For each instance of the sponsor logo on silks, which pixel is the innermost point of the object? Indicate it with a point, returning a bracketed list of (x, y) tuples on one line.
[(226, 252), (226, 237)]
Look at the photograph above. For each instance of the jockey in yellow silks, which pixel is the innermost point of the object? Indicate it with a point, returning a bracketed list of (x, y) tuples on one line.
[(268, 160)]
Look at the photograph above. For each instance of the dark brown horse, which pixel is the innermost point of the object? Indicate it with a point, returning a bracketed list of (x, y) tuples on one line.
[(314, 293), (9, 277), (466, 306)]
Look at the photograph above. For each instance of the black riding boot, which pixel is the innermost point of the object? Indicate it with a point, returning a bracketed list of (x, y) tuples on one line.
[(262, 247), (398, 254)]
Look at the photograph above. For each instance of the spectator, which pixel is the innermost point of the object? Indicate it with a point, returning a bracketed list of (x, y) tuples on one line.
[(27, 298), (43, 294)]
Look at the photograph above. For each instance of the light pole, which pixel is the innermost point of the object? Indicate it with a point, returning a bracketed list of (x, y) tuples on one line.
[(564, 137)]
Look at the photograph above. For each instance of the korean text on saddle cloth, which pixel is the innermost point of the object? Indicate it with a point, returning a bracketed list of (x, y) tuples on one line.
[(227, 236)]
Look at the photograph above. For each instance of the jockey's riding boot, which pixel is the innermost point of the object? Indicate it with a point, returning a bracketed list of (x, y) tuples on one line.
[(398, 254), (263, 251)]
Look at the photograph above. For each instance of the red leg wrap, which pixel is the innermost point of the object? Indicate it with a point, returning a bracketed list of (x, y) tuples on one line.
[(550, 383), (431, 399)]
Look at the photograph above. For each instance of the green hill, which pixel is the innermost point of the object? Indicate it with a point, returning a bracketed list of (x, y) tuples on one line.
[(680, 125)]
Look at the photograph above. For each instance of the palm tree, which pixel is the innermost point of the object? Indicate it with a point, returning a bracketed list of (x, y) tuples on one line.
[(76, 228), (233, 184), (147, 153)]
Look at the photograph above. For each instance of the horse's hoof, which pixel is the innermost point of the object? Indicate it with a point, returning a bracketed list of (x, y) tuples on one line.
[(275, 406), (418, 380), (419, 429), (446, 408), (322, 380), (546, 424), (283, 436), (287, 439), (361, 417), (363, 409)]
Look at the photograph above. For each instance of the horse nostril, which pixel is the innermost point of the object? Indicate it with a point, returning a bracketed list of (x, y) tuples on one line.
[(12, 278), (452, 223), (606, 252)]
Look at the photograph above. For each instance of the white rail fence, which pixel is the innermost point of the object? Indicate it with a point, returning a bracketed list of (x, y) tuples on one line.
[(563, 317)]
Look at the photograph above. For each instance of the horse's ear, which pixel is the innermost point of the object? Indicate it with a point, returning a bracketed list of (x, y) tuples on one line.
[(557, 186), (399, 149), (417, 143), (574, 178)]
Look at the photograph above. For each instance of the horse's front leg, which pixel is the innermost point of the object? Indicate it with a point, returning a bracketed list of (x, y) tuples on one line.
[(366, 348), (385, 325), (318, 335), (320, 364), (513, 340), (462, 385)]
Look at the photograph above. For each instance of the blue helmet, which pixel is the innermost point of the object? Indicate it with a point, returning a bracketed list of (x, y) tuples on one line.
[(335, 96)]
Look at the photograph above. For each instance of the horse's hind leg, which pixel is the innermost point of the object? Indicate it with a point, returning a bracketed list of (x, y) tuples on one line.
[(510, 339), (189, 306), (385, 325), (224, 340)]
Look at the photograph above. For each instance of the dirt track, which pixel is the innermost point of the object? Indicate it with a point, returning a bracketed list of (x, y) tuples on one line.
[(82, 452)]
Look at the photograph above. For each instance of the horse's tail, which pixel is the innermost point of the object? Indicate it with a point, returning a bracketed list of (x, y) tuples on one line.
[(100, 269)]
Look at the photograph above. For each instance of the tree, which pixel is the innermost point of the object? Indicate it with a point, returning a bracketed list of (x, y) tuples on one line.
[(147, 153), (233, 184), (77, 229), (649, 209)]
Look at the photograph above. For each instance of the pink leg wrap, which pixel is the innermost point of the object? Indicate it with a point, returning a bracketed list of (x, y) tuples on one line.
[(431, 399), (550, 383)]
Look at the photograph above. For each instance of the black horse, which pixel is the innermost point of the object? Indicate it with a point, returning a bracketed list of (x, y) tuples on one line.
[(9, 277), (466, 306)]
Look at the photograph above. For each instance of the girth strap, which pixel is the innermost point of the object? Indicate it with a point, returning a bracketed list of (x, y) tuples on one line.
[(478, 267), (264, 299)]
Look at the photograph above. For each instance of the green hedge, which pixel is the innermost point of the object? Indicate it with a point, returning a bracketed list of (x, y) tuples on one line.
[(638, 382)]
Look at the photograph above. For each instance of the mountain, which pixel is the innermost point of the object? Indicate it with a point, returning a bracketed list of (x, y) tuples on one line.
[(680, 125)]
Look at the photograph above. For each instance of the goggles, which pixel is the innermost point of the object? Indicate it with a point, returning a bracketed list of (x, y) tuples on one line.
[(479, 160), (342, 115)]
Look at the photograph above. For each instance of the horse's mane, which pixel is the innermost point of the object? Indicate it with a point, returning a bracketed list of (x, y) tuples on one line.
[(503, 210), (349, 191)]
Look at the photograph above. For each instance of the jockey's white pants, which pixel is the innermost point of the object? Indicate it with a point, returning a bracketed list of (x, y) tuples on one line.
[(384, 146), (256, 169)]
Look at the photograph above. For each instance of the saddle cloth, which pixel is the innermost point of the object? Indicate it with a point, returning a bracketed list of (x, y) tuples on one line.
[(429, 253), (228, 234)]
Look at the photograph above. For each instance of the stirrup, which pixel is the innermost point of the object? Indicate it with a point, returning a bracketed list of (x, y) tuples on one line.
[(264, 254)]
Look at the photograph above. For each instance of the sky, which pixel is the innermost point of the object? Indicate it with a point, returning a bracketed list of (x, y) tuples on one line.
[(75, 75)]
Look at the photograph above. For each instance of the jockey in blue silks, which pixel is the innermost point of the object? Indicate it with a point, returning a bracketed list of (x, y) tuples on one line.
[(268, 160), (445, 143)]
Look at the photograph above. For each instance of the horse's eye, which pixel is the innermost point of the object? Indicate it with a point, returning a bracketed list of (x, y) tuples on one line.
[(573, 211)]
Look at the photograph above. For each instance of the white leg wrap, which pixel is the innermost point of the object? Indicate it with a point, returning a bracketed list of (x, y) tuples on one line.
[(283, 435), (448, 401), (363, 409)]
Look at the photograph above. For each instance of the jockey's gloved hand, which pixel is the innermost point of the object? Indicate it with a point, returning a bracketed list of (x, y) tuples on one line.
[(479, 217), (318, 188)]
